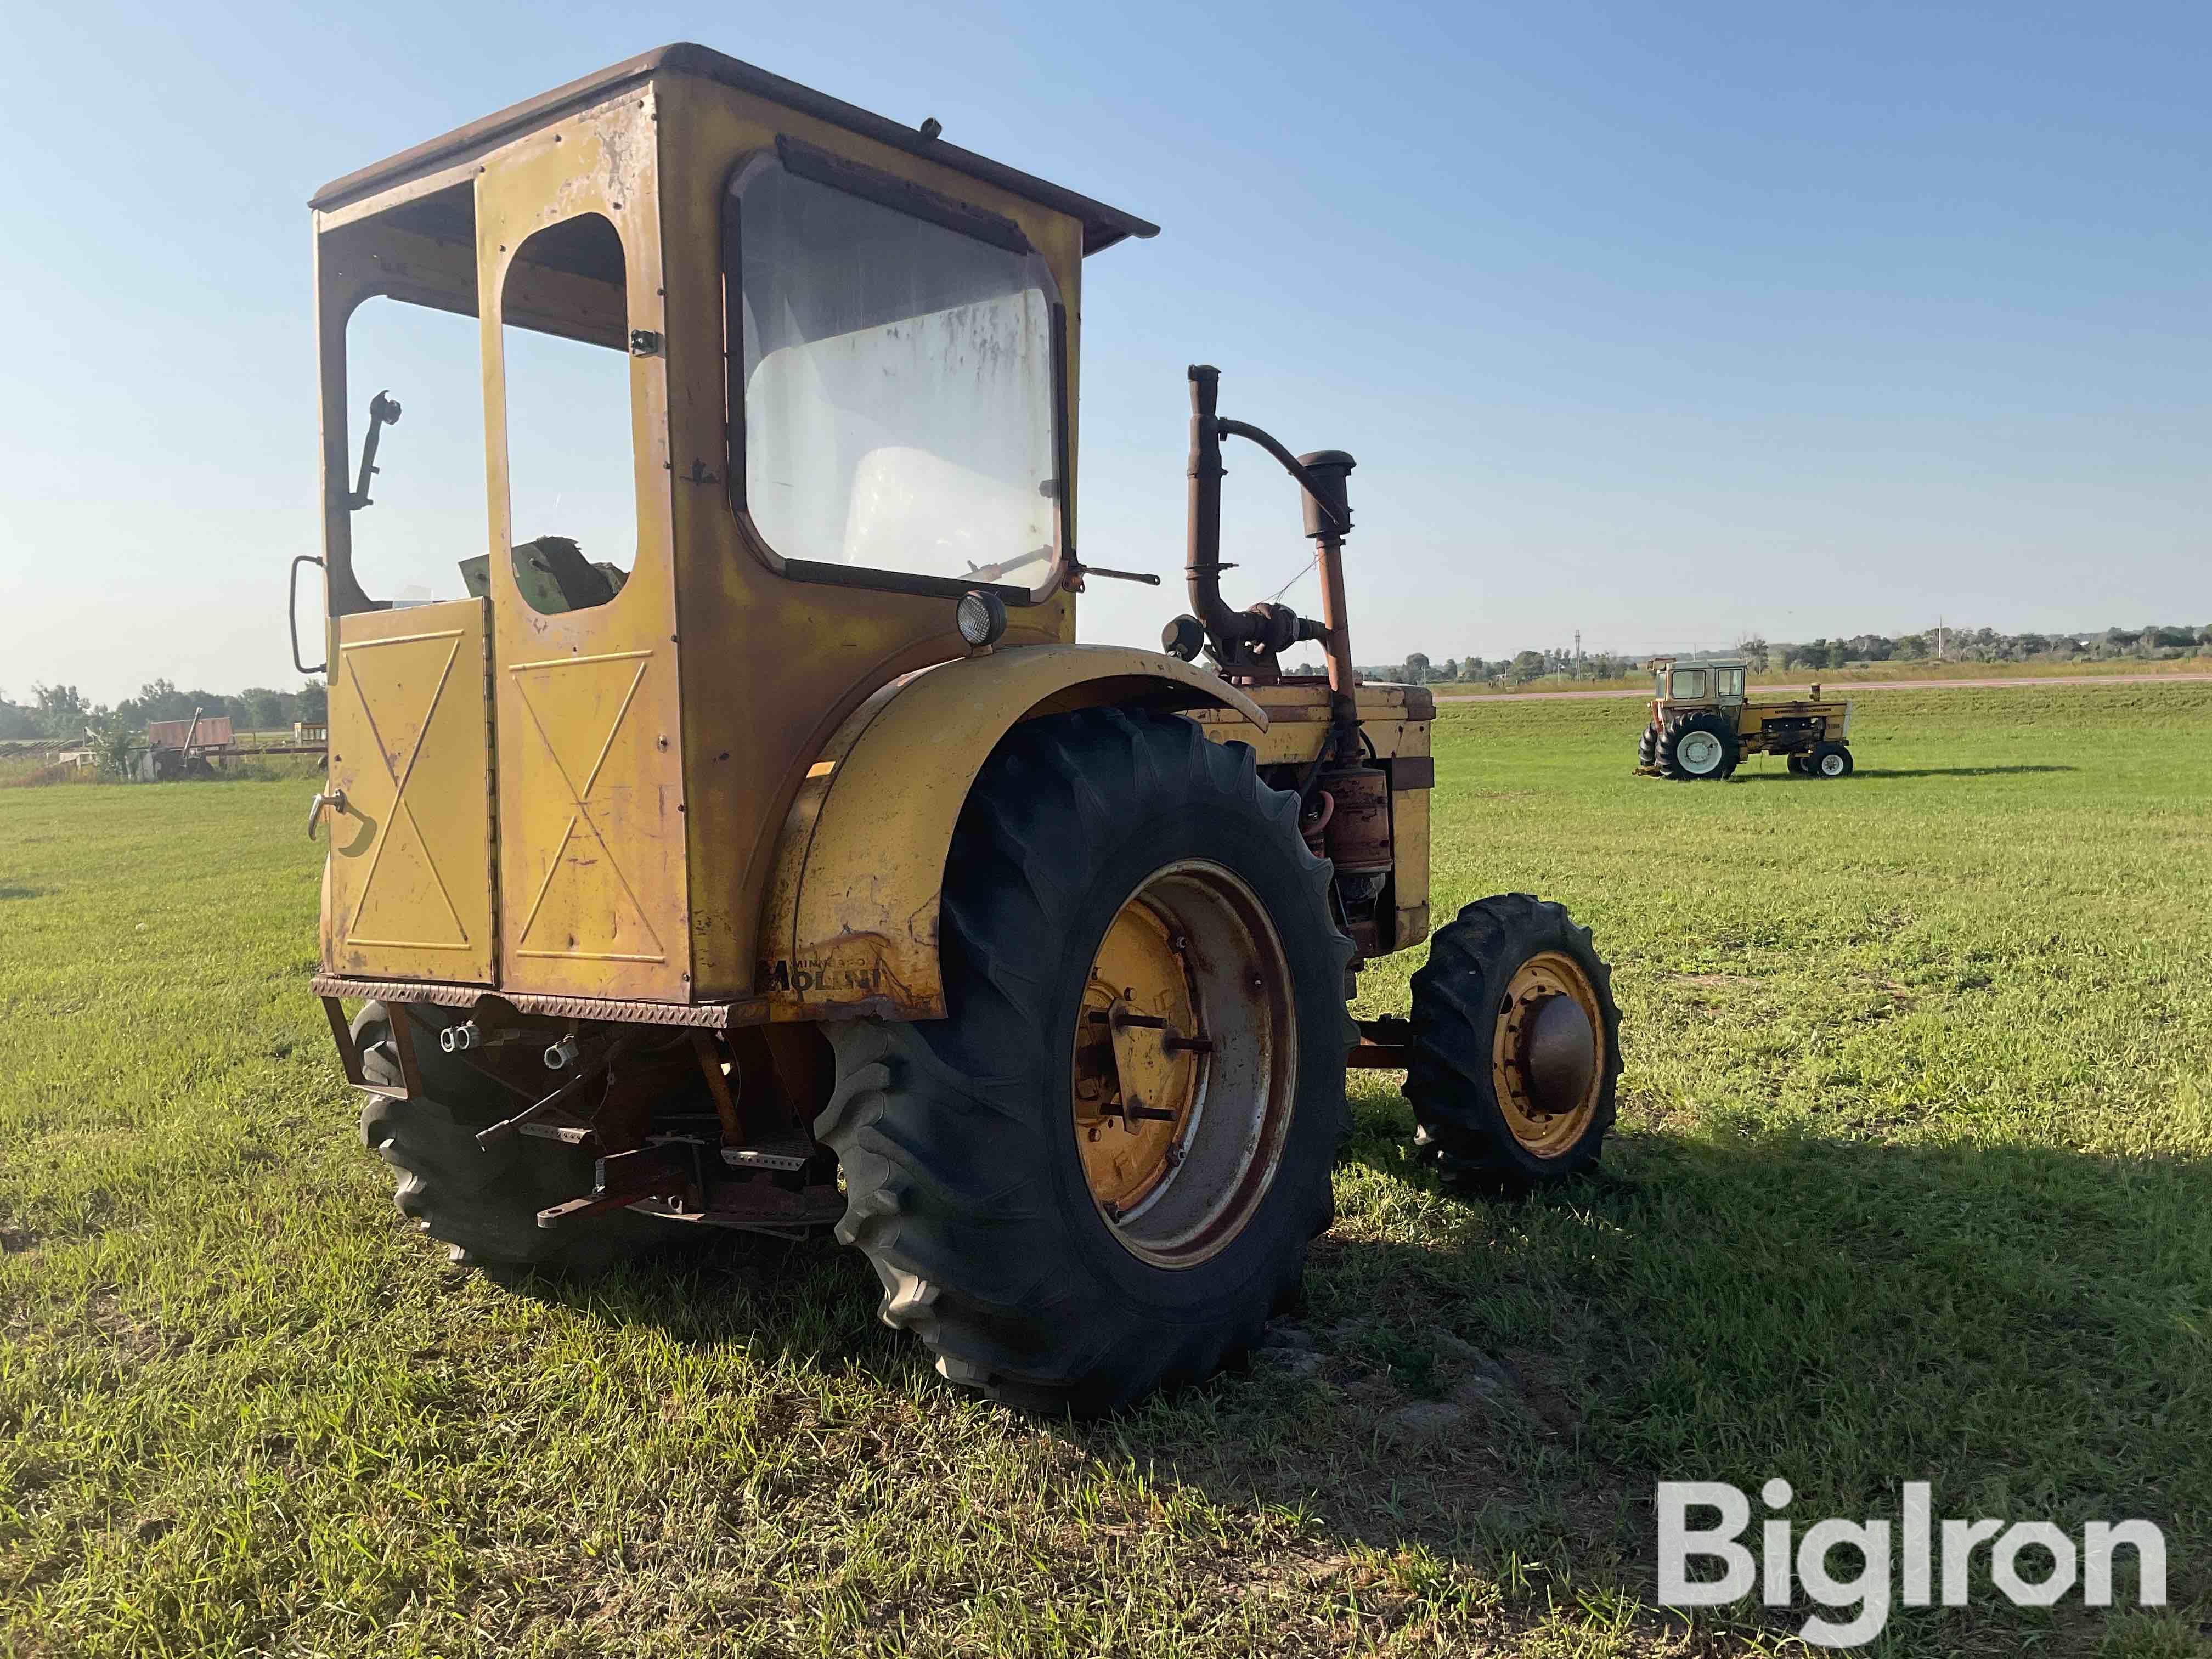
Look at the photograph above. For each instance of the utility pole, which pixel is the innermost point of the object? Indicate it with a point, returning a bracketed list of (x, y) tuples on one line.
[(1938, 638), (1578, 654)]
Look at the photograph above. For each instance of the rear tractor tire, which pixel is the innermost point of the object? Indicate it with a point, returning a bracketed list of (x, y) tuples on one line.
[(1515, 1061), (1099, 1173), (1829, 760), (1698, 747), (484, 1204), (1647, 747)]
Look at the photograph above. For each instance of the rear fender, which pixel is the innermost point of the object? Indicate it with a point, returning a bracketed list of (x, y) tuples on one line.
[(851, 922)]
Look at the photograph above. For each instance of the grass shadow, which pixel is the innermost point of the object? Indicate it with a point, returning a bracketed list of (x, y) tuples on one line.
[(1907, 772), (809, 1300), (1492, 1384), (1848, 1314)]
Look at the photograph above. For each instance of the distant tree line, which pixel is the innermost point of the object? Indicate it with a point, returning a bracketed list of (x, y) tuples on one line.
[(62, 712), (2157, 643), (2153, 644), (1419, 669)]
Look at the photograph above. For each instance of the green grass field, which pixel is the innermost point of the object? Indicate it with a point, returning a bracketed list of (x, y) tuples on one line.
[(1912, 1183)]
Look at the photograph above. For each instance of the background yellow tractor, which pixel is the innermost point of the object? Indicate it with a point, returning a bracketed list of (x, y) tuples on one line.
[(1703, 723), (793, 867)]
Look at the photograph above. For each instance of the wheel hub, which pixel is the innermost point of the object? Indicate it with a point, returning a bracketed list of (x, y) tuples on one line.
[(1134, 1092), (1698, 751), (1184, 1065), (1547, 1053), (1560, 1055)]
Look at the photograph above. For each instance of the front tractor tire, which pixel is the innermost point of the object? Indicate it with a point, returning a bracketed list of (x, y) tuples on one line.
[(1697, 747), (482, 1204), (1515, 1059), (1829, 760), (1099, 1173)]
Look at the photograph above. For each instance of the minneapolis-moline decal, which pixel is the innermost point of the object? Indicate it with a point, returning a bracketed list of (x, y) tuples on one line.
[(816, 973)]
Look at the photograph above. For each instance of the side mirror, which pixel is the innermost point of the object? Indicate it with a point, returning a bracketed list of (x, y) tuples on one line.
[(292, 612)]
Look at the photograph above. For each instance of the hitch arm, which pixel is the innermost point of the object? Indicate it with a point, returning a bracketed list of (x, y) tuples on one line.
[(508, 1128)]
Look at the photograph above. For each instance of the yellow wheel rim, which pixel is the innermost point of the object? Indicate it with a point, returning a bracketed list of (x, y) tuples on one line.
[(1138, 972), (1547, 1056), (1184, 1067)]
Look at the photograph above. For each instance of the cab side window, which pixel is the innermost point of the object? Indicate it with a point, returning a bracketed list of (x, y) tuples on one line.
[(572, 490), (1730, 683), (1689, 681), (425, 505)]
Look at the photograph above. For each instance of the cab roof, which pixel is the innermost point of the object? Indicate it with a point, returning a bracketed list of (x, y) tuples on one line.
[(1103, 226)]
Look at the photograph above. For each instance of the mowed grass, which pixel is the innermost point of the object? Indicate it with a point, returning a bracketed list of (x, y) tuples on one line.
[(1912, 1183)]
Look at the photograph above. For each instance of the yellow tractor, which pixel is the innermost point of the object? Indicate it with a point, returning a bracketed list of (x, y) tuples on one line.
[(790, 867), (1701, 723)]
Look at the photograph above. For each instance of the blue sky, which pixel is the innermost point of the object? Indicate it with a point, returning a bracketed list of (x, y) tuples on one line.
[(1667, 322)]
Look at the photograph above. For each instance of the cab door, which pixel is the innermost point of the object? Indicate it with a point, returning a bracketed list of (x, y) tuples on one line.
[(595, 900), (408, 881)]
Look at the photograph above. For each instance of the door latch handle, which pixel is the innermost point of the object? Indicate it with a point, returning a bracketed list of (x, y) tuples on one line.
[(327, 798)]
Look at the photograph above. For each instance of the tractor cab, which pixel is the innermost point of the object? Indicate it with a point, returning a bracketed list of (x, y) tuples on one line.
[(1709, 681), (666, 418)]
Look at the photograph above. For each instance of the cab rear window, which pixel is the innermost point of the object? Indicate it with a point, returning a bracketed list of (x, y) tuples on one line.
[(895, 399)]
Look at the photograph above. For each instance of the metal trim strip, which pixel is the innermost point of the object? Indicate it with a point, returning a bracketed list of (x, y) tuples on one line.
[(712, 1015)]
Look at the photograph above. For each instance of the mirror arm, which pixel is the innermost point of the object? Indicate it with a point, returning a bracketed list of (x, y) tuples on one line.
[(383, 411)]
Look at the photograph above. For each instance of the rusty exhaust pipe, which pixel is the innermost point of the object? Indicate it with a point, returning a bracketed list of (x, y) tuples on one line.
[(1202, 566), (1328, 518)]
